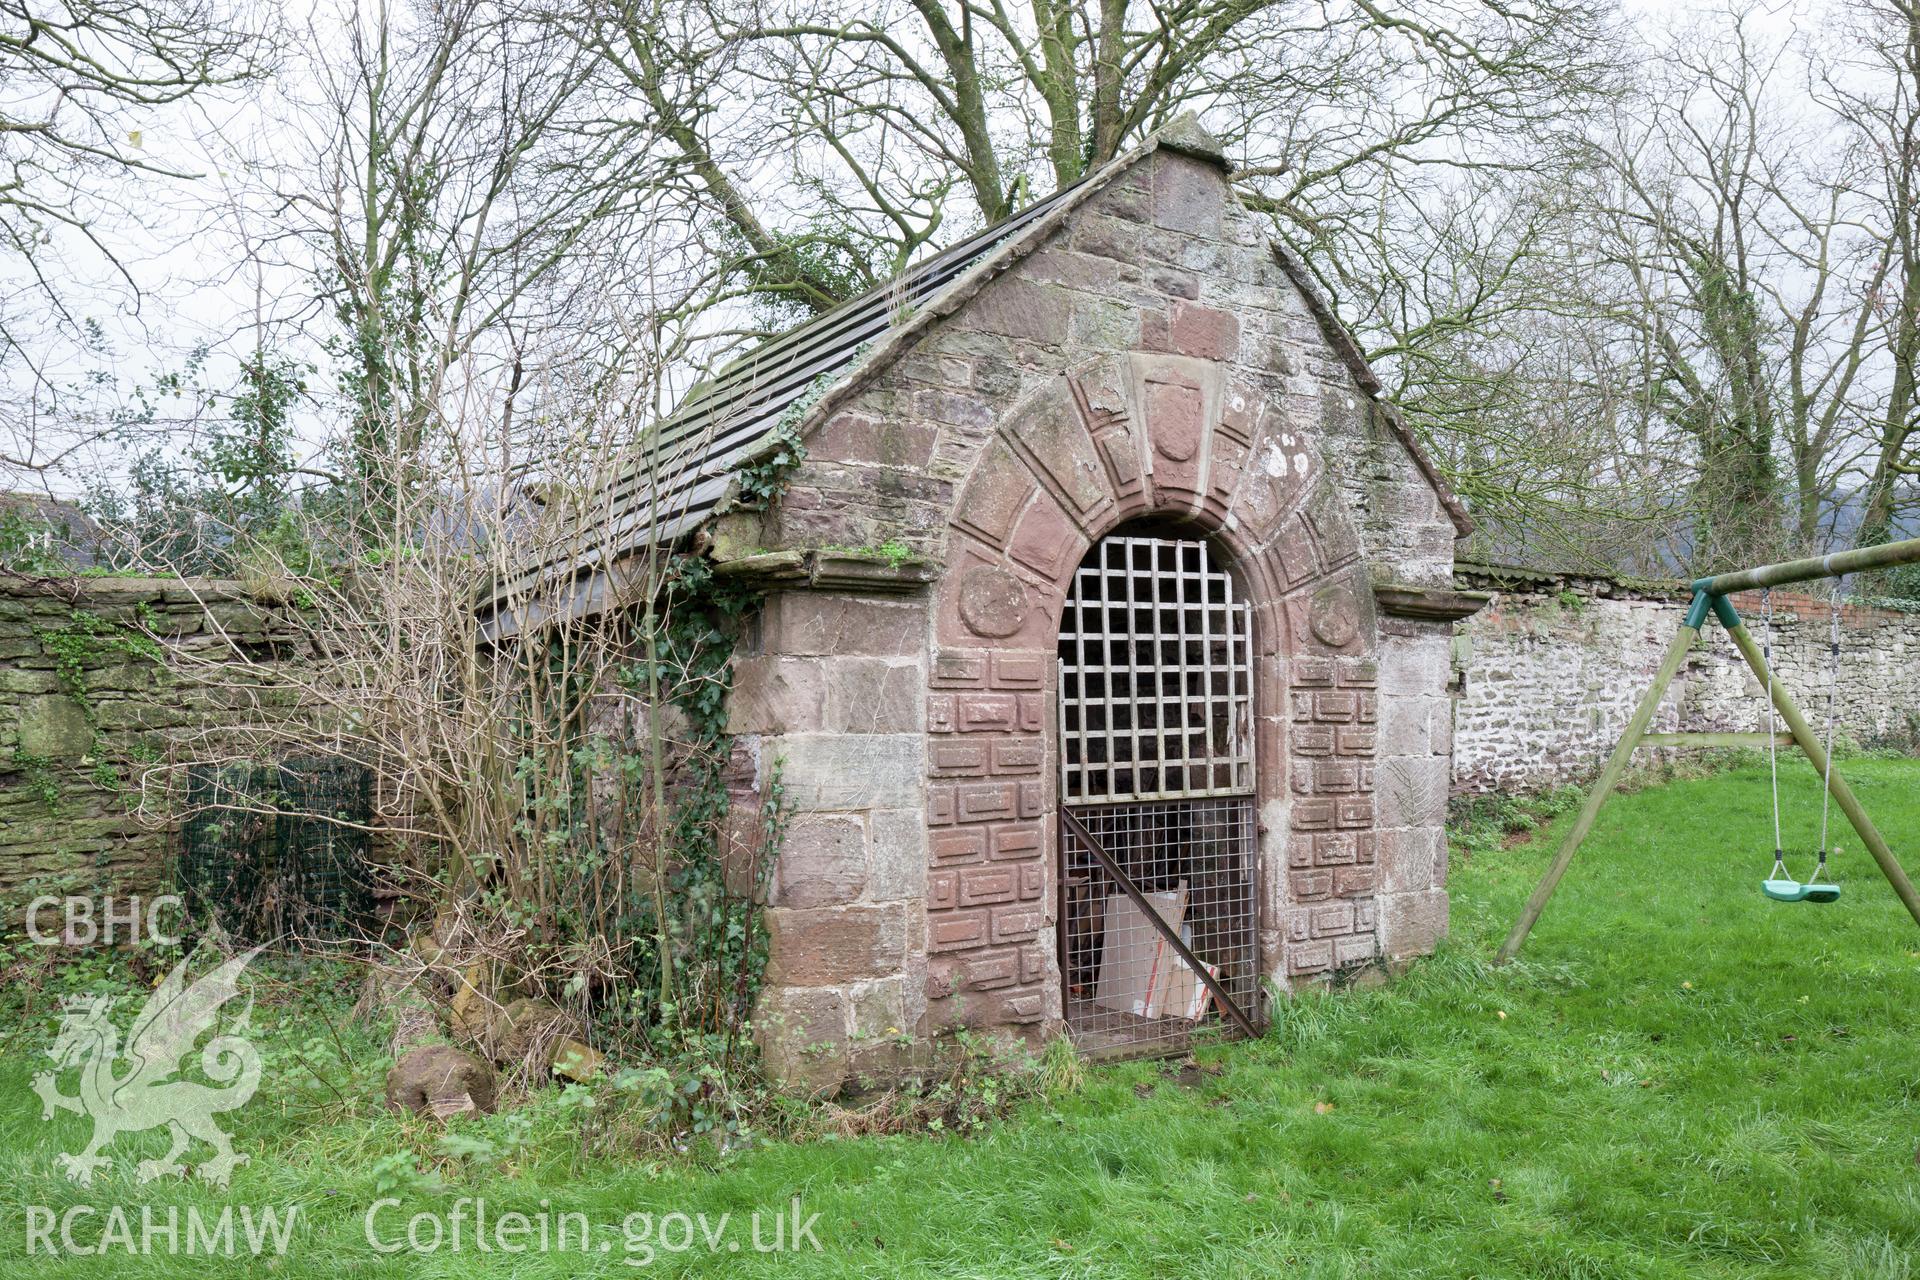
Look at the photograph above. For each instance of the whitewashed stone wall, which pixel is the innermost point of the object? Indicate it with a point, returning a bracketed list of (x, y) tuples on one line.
[(1550, 671)]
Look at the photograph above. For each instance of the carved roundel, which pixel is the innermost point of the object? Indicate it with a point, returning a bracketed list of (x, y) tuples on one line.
[(993, 603), (1335, 618)]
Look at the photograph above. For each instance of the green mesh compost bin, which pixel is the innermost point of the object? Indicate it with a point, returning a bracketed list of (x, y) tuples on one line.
[(278, 851)]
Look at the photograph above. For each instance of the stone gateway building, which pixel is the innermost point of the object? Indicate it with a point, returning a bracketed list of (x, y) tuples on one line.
[(1097, 514)]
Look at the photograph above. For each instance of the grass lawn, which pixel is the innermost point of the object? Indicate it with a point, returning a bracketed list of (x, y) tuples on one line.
[(1678, 1079)]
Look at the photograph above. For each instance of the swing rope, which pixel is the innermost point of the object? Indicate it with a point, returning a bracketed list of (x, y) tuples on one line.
[(1780, 885), (1833, 689), (1773, 733)]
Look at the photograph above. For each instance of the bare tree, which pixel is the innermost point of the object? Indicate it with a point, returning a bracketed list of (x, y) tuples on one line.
[(84, 82), (835, 146), (1872, 85)]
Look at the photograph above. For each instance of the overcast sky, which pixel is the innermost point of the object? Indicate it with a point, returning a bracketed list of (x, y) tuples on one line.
[(199, 287)]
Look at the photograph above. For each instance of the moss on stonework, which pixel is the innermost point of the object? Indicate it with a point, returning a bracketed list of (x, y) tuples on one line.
[(87, 638)]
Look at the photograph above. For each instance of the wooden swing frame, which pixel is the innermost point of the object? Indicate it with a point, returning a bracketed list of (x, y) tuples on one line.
[(1710, 596)]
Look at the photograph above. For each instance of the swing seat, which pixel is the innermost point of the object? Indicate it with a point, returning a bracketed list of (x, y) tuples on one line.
[(1794, 891), (1787, 890)]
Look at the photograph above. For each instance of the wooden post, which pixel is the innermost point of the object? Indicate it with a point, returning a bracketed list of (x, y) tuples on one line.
[(1602, 788), (1842, 794)]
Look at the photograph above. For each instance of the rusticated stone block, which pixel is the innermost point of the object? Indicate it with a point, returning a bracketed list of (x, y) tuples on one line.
[(778, 695), (802, 1035), (897, 854), (810, 947), (836, 771), (1413, 859), (821, 623), (1412, 924), (823, 861)]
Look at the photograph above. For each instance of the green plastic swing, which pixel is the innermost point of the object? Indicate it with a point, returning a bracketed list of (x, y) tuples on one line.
[(1778, 885), (1782, 887)]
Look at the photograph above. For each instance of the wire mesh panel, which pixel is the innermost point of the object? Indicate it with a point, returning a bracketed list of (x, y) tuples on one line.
[(1156, 683), (1156, 732), (278, 850), (1126, 985)]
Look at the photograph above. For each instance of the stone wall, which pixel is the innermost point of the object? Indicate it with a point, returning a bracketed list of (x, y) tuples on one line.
[(98, 688), (1553, 667)]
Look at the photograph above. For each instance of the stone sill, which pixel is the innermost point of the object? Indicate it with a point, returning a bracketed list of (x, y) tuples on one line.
[(855, 571), (1428, 604)]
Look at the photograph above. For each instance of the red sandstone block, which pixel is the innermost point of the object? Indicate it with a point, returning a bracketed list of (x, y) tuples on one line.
[(1334, 918), (1333, 776), (956, 930), (1361, 673), (1033, 879), (1355, 742), (1017, 923), (1309, 957), (991, 970), (963, 844), (1033, 963), (824, 946), (1313, 740), (1313, 815), (1308, 885), (1019, 670), (1205, 333), (985, 802), (1034, 710), (1016, 841), (1334, 848), (986, 712), (1334, 706), (943, 890), (1310, 673), (957, 759), (1019, 755), (1351, 882), (982, 886), (1355, 949), (940, 713), (954, 668)]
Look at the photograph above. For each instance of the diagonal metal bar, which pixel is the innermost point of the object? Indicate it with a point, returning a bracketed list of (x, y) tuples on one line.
[(1077, 829)]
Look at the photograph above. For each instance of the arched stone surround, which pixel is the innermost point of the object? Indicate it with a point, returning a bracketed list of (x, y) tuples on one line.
[(1118, 439)]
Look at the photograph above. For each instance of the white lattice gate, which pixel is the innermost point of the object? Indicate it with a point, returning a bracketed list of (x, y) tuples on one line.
[(1156, 761)]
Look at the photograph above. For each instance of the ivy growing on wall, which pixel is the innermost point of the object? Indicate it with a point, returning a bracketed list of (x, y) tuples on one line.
[(760, 481), (712, 934), (85, 640)]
